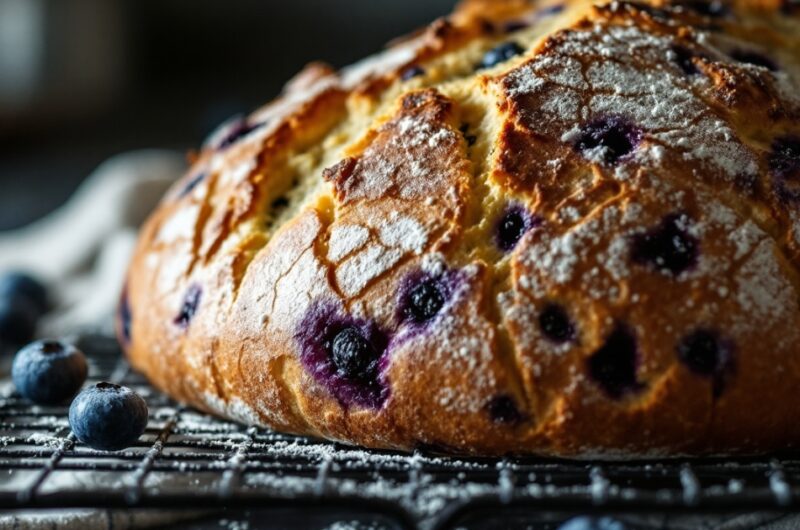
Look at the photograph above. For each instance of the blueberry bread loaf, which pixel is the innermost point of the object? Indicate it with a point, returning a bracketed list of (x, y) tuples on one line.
[(567, 229)]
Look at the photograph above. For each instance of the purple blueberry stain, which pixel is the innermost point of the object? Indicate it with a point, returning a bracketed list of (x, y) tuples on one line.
[(784, 165), (613, 366), (411, 72), (550, 11), (503, 409), (422, 297), (192, 184), (191, 302), (609, 139), (346, 355), (705, 353), (667, 247), (515, 25), (125, 317), (755, 58), (424, 301), (515, 222), (500, 54), (555, 324), (233, 131)]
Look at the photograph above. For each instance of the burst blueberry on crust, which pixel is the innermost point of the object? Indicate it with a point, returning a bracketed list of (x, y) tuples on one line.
[(528, 217)]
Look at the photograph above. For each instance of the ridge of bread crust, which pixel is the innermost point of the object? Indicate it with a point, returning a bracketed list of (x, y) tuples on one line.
[(603, 224)]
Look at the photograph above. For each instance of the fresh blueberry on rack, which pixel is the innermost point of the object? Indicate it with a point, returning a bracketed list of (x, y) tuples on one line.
[(592, 523), (500, 54), (609, 139), (515, 223), (16, 285), (353, 355), (503, 409), (49, 372), (191, 301), (555, 324), (755, 58), (424, 301), (108, 417), (613, 366), (667, 247)]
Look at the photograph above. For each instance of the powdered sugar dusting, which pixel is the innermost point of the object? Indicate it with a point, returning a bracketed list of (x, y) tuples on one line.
[(345, 239)]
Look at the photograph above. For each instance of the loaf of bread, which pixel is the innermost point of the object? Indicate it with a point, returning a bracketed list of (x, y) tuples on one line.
[(563, 229)]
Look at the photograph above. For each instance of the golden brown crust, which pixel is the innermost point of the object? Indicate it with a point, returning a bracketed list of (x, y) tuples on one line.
[(589, 248)]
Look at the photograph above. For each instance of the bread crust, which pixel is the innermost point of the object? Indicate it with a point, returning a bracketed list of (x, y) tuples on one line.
[(608, 222)]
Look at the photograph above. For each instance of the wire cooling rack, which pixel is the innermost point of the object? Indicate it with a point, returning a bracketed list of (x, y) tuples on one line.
[(187, 459)]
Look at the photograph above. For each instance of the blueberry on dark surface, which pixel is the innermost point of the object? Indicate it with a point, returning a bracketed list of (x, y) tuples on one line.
[(424, 301), (49, 372), (191, 301), (500, 54), (18, 319), (411, 72), (515, 223), (108, 417), (667, 247), (555, 324), (503, 409), (592, 523), (754, 58), (613, 366), (352, 354), (784, 164), (15, 285), (611, 138), (702, 352)]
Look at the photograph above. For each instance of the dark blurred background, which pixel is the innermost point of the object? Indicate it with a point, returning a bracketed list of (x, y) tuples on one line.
[(82, 80)]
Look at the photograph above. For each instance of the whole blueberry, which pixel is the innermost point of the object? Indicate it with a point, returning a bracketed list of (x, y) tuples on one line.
[(18, 319), (425, 301), (16, 285), (108, 417), (592, 523), (500, 54), (49, 372), (353, 355)]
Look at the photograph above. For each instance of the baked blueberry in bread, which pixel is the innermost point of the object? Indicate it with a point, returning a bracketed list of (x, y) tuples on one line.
[(568, 229)]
